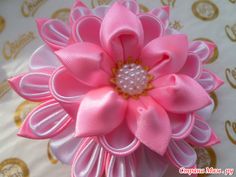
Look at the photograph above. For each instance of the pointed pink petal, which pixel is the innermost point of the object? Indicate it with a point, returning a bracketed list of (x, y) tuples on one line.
[(120, 166), (45, 121), (163, 56), (87, 62), (108, 111), (149, 122), (202, 134), (32, 86), (192, 66), (181, 154), (43, 58), (121, 33), (119, 146), (87, 29), (152, 27), (100, 11), (203, 49), (209, 81), (206, 112), (64, 146), (179, 94), (181, 124), (149, 163), (162, 14), (89, 160), (132, 5), (54, 33), (79, 9)]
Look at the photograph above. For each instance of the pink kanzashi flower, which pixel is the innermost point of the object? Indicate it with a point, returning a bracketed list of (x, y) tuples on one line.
[(122, 93)]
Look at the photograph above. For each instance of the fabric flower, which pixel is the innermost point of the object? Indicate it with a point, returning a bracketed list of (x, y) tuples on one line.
[(122, 93)]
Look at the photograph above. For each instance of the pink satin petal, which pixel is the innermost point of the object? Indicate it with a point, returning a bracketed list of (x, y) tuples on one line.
[(209, 81), (32, 86), (108, 111), (179, 94), (89, 160), (203, 49), (55, 33), (121, 34), (149, 163), (43, 58), (120, 142), (152, 27), (121, 166), (162, 14), (202, 134), (181, 154), (181, 124), (132, 5), (192, 66), (87, 29), (65, 88), (78, 12), (206, 112), (100, 11), (45, 121), (87, 62), (64, 145), (149, 122), (163, 56)]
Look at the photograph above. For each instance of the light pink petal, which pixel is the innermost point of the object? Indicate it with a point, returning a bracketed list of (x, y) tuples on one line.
[(87, 62), (100, 11), (55, 33), (132, 5), (64, 146), (162, 14), (209, 81), (78, 10), (121, 33), (45, 121), (181, 124), (100, 112), (87, 29), (149, 122), (89, 160), (181, 154), (121, 166), (43, 58), (192, 66), (152, 27), (202, 134), (149, 163), (163, 56), (32, 86), (120, 142), (203, 49), (206, 112), (179, 94)]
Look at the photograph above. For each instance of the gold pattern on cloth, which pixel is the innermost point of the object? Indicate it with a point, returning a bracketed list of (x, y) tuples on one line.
[(62, 14), (143, 8), (23, 110), (216, 51), (205, 10), (231, 32), (230, 75), (215, 99), (206, 157), (4, 88), (232, 1), (14, 167), (170, 3), (96, 3), (230, 129), (51, 157), (2, 24), (12, 49), (30, 7), (176, 24)]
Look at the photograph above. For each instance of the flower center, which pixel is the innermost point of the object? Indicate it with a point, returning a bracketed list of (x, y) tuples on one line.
[(132, 79)]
